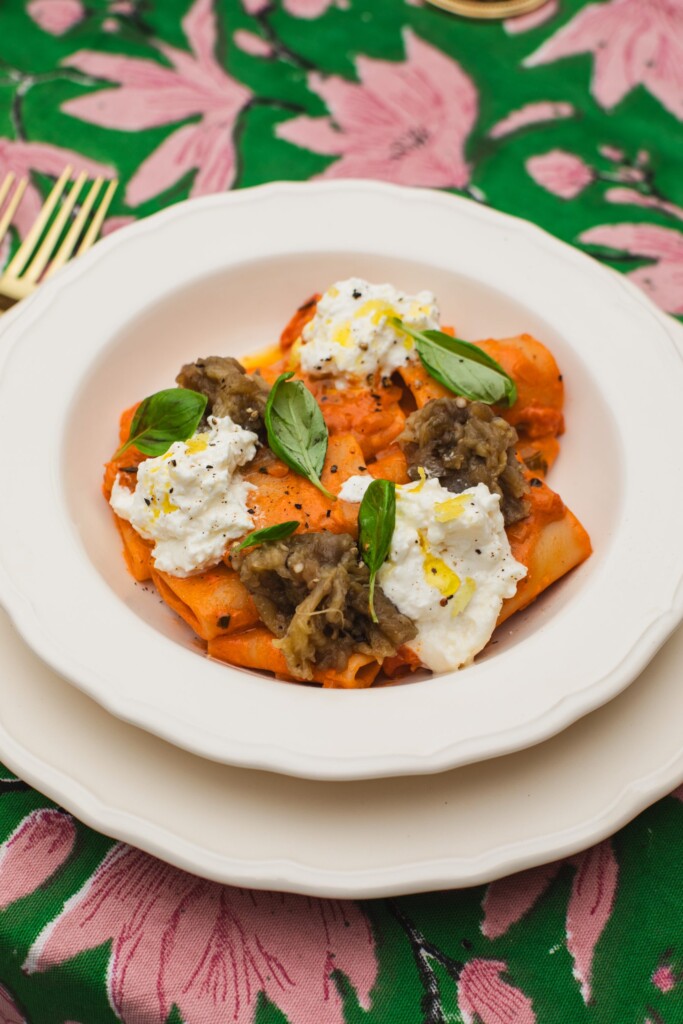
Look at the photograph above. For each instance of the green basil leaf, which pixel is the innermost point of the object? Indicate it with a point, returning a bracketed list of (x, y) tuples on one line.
[(297, 432), (376, 521), (462, 367), (268, 533), (165, 417)]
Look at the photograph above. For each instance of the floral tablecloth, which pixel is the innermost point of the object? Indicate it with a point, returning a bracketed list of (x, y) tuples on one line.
[(570, 117)]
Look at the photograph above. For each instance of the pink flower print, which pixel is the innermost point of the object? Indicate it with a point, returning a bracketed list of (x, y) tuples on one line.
[(634, 198), (633, 42), (56, 16), (151, 95), (589, 909), (307, 8), (249, 42), (485, 998), (34, 851), (208, 948), (559, 172), (9, 1011), (531, 113), (631, 175), (113, 224), (508, 900), (663, 279), (24, 157), (664, 978), (255, 6), (406, 123), (121, 8), (612, 153), (525, 22)]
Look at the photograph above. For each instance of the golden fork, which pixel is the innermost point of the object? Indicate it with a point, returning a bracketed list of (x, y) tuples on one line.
[(488, 9), (38, 257)]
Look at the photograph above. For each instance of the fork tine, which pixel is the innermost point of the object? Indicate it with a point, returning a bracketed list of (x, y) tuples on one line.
[(21, 257), (6, 186), (75, 231), (97, 221), (7, 216), (42, 254)]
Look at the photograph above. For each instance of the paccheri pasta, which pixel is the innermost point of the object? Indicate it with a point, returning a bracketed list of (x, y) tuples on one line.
[(246, 494)]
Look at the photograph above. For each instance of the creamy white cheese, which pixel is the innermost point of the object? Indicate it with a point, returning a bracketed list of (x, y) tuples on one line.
[(355, 487), (192, 501), (351, 335), (449, 567)]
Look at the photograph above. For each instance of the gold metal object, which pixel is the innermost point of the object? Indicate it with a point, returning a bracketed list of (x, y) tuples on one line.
[(488, 9), (40, 254)]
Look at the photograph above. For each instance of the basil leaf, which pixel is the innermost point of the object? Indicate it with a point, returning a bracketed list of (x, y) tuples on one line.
[(462, 367), (297, 432), (268, 533), (376, 521), (165, 417)]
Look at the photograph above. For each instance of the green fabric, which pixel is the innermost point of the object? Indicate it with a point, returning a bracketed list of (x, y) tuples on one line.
[(418, 943), (571, 119)]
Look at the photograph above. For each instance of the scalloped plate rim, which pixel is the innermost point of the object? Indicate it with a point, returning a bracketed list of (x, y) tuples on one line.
[(285, 758)]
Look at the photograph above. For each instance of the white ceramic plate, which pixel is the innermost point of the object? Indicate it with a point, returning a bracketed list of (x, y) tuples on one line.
[(223, 274), (355, 839)]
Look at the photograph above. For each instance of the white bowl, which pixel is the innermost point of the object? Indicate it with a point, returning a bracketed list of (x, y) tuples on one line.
[(223, 275)]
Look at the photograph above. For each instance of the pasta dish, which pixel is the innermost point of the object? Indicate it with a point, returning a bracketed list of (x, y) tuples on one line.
[(365, 498)]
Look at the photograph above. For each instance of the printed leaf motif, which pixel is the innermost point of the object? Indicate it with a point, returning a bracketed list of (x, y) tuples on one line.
[(559, 172), (485, 998), (307, 8), (35, 850), (588, 911), (590, 908), (208, 948), (633, 198), (508, 900), (56, 16), (9, 1011), (251, 43), (661, 280), (531, 114), (664, 978)]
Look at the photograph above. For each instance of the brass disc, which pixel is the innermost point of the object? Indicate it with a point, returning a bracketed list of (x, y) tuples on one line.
[(488, 8)]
